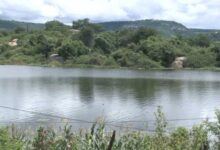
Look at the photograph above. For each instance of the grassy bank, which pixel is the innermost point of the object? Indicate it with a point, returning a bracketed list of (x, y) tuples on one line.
[(203, 136)]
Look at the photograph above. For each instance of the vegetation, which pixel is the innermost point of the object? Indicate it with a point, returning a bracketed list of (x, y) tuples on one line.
[(88, 44), (11, 25), (204, 136)]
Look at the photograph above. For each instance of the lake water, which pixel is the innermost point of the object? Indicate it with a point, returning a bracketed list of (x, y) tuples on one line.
[(122, 97)]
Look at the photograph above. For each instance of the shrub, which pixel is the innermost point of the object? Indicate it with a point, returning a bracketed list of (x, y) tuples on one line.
[(200, 40), (199, 138), (70, 49), (45, 140), (158, 50), (106, 42), (9, 143), (93, 59), (19, 30), (128, 58), (200, 57), (180, 139)]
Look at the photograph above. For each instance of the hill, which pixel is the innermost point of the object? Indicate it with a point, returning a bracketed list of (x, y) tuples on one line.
[(166, 28), (11, 25)]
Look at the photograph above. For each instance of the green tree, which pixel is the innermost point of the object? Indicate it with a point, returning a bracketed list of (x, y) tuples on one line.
[(81, 23), (86, 35), (200, 57), (158, 50), (143, 34), (85, 23), (216, 50), (106, 42), (124, 37), (128, 58), (200, 40), (43, 45), (54, 26), (19, 30), (70, 49)]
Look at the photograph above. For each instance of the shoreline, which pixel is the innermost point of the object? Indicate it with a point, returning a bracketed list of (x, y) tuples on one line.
[(82, 66)]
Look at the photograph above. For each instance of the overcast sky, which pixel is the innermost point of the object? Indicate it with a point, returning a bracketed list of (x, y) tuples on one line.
[(192, 13)]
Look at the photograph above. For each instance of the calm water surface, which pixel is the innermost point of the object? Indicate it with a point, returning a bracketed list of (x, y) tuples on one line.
[(116, 95)]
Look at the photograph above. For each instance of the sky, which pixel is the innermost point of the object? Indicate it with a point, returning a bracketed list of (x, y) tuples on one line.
[(191, 13)]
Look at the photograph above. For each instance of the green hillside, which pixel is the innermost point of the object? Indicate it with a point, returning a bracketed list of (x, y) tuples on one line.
[(212, 33), (167, 28), (11, 25)]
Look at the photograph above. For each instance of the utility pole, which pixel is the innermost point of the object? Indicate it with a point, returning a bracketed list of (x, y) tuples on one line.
[(27, 27)]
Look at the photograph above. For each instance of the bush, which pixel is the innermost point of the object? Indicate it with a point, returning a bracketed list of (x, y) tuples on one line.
[(54, 26), (97, 138), (9, 143), (3, 48), (106, 42), (19, 30), (93, 59), (45, 140), (200, 138), (4, 33), (86, 35), (143, 34), (128, 58), (214, 127), (70, 49), (180, 139), (158, 50), (199, 58), (200, 40)]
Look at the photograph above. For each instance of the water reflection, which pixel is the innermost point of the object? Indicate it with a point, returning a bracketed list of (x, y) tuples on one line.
[(115, 94), (86, 89)]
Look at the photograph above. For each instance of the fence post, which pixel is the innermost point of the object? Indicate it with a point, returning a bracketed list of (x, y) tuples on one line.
[(111, 141), (13, 130)]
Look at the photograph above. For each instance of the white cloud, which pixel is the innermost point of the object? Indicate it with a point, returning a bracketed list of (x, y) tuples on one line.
[(192, 13)]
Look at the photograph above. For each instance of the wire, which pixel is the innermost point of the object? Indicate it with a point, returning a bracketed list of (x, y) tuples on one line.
[(44, 114), (134, 128), (72, 120), (168, 120)]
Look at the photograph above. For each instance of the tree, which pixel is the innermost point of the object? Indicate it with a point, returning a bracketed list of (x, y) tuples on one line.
[(84, 23), (81, 23), (86, 35), (158, 50), (70, 49), (54, 25), (87, 31), (19, 30), (216, 50), (200, 40), (200, 57), (143, 34), (128, 58), (124, 37), (106, 42), (43, 46)]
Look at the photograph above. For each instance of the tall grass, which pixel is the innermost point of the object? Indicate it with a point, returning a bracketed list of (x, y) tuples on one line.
[(203, 136)]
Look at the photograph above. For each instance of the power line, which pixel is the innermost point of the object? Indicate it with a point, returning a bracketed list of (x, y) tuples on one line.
[(168, 120), (73, 120), (44, 114)]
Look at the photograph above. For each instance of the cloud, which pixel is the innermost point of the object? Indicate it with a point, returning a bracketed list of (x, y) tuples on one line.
[(192, 13)]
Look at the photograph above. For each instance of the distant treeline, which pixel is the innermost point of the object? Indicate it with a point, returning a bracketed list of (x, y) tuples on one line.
[(85, 44)]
